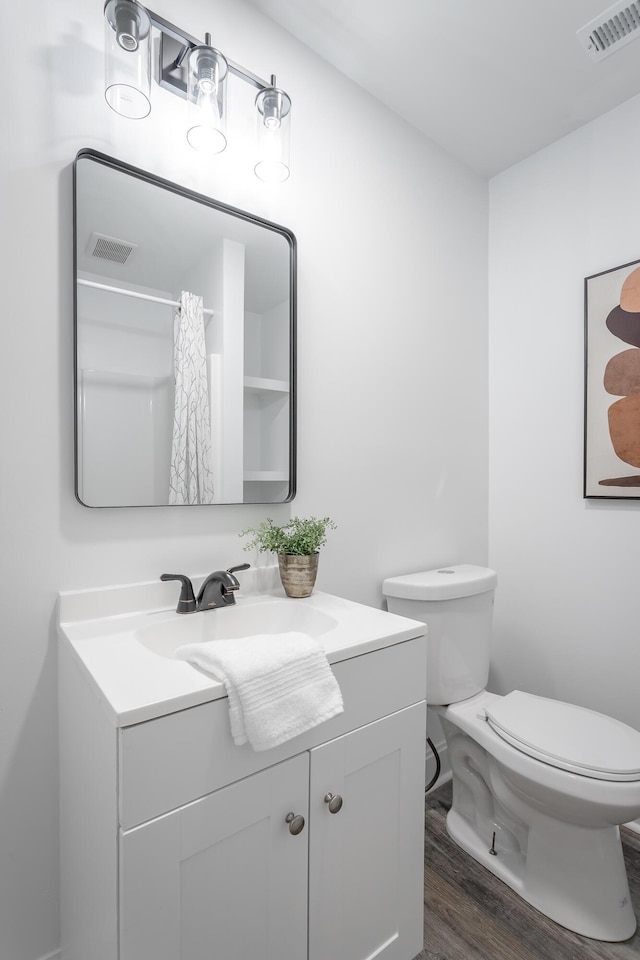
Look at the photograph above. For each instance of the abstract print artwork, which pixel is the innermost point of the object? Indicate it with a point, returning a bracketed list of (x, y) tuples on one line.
[(612, 383)]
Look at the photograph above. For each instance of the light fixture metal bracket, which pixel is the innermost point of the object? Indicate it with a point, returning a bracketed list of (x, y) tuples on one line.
[(174, 46)]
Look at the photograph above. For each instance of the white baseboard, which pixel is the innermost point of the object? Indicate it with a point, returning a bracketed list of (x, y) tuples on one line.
[(56, 955)]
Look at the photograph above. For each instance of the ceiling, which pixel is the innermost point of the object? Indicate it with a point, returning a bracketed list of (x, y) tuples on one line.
[(490, 81)]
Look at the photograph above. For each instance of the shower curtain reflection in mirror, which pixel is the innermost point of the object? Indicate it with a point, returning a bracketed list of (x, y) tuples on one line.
[(148, 399), (191, 477)]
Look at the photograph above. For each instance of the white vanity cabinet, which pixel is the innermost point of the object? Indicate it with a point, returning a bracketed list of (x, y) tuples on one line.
[(220, 877), (178, 845), (224, 876), (366, 862)]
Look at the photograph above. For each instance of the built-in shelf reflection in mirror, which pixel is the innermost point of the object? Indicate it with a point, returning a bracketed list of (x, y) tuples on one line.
[(158, 422)]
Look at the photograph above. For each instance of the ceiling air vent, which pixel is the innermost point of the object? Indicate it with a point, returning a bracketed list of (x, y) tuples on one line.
[(611, 31), (108, 248)]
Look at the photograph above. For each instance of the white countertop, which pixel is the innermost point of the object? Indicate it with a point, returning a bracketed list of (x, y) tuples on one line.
[(134, 683)]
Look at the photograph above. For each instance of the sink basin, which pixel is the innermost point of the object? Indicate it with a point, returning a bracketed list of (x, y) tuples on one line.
[(267, 615), (124, 637)]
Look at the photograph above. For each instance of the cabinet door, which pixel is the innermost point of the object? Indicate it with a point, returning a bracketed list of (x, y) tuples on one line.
[(222, 878), (366, 862)]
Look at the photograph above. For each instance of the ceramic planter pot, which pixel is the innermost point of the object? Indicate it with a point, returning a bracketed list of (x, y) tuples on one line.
[(298, 573)]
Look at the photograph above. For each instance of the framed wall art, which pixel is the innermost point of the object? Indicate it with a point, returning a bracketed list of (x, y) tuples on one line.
[(612, 383)]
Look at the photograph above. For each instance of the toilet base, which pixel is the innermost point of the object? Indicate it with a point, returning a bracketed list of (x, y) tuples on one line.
[(573, 875)]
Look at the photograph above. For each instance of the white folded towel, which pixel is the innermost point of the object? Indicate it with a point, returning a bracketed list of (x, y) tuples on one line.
[(278, 686)]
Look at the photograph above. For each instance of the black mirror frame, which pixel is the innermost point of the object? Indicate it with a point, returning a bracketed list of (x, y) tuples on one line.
[(288, 235)]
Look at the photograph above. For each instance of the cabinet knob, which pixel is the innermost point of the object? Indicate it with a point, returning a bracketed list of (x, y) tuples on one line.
[(296, 823), (334, 801)]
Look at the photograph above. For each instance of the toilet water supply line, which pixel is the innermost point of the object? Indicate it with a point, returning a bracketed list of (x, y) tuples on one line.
[(438, 766)]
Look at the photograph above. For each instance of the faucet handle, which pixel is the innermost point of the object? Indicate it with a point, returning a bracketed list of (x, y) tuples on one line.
[(234, 585), (187, 601)]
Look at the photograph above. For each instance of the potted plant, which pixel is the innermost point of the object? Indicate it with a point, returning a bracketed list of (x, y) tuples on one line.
[(296, 543)]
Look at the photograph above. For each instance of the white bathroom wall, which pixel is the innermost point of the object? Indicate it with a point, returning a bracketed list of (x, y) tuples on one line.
[(567, 614), (392, 367)]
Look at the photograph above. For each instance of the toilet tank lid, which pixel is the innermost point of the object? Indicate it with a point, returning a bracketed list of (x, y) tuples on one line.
[(444, 583)]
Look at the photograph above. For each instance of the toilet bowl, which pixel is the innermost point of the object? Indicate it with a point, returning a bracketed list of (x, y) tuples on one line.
[(540, 787)]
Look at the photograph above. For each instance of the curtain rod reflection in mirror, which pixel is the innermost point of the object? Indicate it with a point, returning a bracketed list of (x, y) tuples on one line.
[(134, 293), (196, 72)]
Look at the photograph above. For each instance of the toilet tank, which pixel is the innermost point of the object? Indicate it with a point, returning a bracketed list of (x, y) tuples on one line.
[(456, 603)]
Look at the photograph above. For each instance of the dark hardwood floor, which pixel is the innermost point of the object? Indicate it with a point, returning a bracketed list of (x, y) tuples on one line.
[(471, 915)]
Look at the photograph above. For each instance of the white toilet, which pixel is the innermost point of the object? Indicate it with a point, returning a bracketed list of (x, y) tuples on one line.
[(539, 786)]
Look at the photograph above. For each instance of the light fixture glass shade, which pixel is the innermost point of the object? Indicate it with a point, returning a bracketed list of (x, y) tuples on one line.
[(273, 116), (127, 58), (207, 100)]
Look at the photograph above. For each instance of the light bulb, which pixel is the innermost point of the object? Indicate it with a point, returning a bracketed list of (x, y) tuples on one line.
[(206, 96), (206, 86), (273, 113)]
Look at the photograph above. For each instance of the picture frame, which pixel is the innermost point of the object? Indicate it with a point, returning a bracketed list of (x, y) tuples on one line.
[(612, 384)]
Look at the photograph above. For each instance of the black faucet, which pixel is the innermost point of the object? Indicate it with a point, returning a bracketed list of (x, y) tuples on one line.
[(218, 590)]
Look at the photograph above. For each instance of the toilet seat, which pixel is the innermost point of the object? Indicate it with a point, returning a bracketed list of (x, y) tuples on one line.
[(567, 736)]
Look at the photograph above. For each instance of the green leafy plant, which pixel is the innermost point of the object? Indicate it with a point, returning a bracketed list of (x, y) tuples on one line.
[(300, 537)]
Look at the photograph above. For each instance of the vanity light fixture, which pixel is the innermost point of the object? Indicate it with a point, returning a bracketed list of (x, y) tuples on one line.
[(198, 73), (127, 58), (206, 98), (274, 111)]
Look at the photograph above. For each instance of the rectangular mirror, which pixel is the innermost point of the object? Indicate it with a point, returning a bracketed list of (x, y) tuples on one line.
[(184, 345)]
